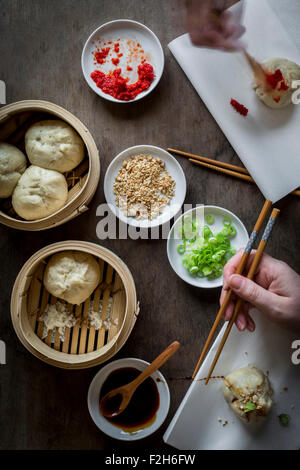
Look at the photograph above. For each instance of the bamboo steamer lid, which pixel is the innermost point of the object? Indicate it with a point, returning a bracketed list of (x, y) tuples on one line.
[(15, 119), (83, 346)]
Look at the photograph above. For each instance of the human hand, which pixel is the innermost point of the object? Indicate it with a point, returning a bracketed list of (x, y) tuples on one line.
[(275, 291), (211, 26)]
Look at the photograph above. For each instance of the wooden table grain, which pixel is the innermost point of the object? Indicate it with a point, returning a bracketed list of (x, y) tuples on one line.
[(42, 407)]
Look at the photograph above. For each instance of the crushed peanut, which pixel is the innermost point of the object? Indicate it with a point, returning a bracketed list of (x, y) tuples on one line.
[(143, 187)]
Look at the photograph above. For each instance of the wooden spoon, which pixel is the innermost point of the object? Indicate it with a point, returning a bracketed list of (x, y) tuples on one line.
[(120, 397)]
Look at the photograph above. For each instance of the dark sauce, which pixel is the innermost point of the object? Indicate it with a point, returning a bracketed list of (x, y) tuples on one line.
[(142, 409)]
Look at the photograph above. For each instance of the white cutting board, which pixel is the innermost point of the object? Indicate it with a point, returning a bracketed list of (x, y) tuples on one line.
[(267, 141), (195, 425)]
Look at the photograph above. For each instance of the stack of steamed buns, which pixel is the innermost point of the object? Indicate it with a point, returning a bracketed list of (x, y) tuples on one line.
[(39, 190)]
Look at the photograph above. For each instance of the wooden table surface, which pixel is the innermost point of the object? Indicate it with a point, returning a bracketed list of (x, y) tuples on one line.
[(42, 407)]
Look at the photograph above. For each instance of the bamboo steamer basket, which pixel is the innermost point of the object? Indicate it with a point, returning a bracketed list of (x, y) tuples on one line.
[(83, 346), (15, 119)]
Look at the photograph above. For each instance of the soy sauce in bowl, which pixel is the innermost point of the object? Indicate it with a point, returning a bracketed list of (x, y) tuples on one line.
[(141, 411)]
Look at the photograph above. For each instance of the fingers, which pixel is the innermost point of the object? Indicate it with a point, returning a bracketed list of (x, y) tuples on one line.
[(208, 29), (257, 296)]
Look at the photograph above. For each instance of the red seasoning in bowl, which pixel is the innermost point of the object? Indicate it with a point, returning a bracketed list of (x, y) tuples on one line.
[(117, 86), (125, 56)]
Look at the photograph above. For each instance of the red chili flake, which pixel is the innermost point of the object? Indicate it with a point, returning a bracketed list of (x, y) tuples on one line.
[(240, 108), (116, 48), (276, 78), (277, 99), (115, 61), (100, 56), (120, 55), (115, 85), (283, 86), (129, 68)]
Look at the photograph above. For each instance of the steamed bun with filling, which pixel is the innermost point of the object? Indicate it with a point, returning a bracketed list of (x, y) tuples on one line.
[(72, 276), (12, 166), (39, 193), (54, 145), (281, 74), (248, 393)]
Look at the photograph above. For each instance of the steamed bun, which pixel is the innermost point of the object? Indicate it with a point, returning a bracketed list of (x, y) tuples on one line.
[(281, 95), (72, 276), (12, 165), (54, 145), (39, 193), (248, 385)]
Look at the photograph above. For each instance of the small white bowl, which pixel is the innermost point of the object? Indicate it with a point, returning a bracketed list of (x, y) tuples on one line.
[(172, 166), (127, 29), (113, 431), (175, 259)]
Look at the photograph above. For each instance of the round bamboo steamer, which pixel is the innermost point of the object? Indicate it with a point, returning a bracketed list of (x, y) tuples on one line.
[(15, 119), (83, 346)]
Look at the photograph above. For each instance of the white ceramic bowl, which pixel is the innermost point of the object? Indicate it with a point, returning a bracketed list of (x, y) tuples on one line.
[(113, 431), (124, 29), (172, 166), (175, 259)]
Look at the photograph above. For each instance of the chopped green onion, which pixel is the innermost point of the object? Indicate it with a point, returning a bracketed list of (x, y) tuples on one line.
[(226, 221), (181, 249), (209, 219), (194, 270), (206, 232), (284, 419), (250, 407), (205, 253), (232, 231)]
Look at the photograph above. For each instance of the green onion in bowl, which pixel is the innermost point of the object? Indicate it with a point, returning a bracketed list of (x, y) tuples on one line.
[(205, 253)]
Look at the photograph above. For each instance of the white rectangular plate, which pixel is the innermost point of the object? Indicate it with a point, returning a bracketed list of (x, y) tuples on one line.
[(195, 425)]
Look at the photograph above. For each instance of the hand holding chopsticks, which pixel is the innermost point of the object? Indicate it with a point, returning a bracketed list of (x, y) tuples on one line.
[(262, 216), (251, 274)]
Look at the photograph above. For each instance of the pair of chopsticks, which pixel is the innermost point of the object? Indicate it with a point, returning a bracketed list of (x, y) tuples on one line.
[(222, 167), (262, 216), (252, 271)]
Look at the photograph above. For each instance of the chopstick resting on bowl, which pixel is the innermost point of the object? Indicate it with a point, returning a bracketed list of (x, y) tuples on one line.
[(262, 216), (257, 258), (222, 167)]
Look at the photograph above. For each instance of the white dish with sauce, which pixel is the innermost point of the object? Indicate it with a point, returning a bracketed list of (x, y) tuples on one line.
[(122, 31), (114, 431)]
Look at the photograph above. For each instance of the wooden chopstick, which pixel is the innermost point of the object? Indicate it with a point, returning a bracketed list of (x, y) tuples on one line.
[(251, 274), (216, 165), (240, 176), (240, 169), (262, 216)]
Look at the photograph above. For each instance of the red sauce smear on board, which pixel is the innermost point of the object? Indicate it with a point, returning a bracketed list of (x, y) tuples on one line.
[(115, 85), (240, 108), (100, 56)]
